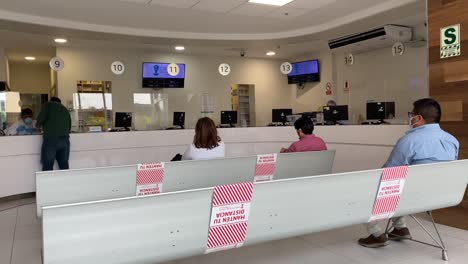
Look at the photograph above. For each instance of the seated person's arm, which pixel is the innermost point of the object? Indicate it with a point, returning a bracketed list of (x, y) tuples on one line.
[(291, 148), (402, 154)]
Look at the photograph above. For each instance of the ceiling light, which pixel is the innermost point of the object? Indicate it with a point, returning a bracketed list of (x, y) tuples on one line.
[(271, 2), (60, 40), (271, 53), (29, 58), (179, 48)]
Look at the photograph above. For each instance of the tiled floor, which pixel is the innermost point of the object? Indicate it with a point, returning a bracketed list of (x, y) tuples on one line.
[(20, 243)]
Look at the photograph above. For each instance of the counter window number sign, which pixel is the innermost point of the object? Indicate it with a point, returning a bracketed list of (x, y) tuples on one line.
[(450, 41), (56, 64), (398, 49), (349, 59), (286, 68), (173, 69), (117, 67), (224, 69)]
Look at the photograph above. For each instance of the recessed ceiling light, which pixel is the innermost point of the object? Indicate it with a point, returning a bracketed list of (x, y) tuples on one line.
[(179, 48), (30, 58), (271, 2), (60, 40), (271, 53)]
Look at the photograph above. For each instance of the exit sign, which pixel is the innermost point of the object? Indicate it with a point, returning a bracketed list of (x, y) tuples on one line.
[(450, 41)]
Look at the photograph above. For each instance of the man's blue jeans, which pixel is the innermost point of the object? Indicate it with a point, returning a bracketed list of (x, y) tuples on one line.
[(55, 148)]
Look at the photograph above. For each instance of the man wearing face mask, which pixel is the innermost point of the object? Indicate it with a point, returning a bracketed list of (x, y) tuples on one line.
[(425, 142), (24, 126)]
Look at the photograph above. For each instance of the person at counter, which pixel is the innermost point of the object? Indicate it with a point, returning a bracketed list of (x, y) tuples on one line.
[(206, 143), (24, 126), (424, 143), (307, 140), (55, 121)]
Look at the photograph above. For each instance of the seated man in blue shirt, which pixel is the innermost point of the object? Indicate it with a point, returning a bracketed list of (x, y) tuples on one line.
[(424, 143)]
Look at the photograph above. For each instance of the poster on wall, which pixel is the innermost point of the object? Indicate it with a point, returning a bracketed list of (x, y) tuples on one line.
[(346, 86), (450, 41), (328, 88)]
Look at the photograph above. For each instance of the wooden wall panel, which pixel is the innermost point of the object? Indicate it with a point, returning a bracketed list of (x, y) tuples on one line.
[(448, 78)]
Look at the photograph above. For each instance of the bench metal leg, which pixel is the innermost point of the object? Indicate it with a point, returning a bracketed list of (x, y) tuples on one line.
[(439, 241)]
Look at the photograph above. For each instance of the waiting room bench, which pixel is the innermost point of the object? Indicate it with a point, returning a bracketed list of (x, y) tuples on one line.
[(169, 226), (83, 185)]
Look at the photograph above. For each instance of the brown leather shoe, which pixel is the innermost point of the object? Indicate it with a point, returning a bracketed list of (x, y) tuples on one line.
[(399, 234), (374, 242)]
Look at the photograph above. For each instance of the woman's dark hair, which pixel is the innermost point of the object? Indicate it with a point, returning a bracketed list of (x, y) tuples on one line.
[(26, 112), (429, 109), (305, 124), (55, 99), (206, 134)]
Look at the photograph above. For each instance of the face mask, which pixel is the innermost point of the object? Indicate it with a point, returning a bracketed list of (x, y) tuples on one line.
[(28, 121), (411, 126)]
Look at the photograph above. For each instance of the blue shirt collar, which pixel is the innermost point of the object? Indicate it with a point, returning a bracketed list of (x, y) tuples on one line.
[(428, 126)]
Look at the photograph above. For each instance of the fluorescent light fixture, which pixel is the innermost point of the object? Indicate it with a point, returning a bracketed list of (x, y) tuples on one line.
[(179, 48), (271, 53), (60, 40), (30, 58), (271, 2)]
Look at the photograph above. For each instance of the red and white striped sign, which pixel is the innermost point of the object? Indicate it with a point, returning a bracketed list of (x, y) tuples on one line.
[(229, 216), (265, 168), (149, 178), (391, 187)]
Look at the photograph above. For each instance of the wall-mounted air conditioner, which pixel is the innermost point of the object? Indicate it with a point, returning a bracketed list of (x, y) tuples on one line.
[(373, 39)]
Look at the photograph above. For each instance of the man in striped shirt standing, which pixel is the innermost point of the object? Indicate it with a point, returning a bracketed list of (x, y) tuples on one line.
[(424, 143)]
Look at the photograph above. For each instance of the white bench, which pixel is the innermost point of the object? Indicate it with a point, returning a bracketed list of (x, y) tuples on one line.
[(83, 185), (170, 226)]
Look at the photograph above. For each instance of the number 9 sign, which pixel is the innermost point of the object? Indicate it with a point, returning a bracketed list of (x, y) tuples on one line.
[(56, 64)]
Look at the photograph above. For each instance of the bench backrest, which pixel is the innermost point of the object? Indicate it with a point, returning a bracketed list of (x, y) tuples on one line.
[(84, 185), (169, 226)]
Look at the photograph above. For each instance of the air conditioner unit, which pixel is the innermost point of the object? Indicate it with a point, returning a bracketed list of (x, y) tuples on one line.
[(371, 40)]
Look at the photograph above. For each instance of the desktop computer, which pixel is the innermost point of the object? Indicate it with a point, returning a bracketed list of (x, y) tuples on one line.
[(333, 114), (178, 120), (380, 111), (280, 116), (123, 120), (228, 118)]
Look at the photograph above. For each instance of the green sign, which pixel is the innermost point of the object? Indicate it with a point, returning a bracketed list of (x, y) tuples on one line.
[(450, 41)]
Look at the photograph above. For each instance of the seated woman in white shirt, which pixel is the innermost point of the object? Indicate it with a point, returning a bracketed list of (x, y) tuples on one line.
[(206, 143)]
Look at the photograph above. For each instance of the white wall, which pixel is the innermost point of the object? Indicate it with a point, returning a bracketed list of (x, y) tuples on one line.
[(29, 77), (3, 64), (378, 75), (271, 88)]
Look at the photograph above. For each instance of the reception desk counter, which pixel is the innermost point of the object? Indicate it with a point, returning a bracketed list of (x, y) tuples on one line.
[(358, 148)]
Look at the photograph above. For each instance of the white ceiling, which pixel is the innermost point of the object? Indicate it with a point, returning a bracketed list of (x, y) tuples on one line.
[(198, 19)]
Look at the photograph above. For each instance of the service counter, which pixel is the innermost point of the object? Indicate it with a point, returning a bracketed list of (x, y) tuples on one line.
[(358, 148)]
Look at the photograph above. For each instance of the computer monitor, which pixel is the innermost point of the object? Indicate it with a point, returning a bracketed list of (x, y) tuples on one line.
[(228, 118), (123, 120), (380, 110), (179, 119), (280, 115), (331, 114)]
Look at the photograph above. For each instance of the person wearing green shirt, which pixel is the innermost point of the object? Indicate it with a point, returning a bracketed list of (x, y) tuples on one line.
[(55, 121)]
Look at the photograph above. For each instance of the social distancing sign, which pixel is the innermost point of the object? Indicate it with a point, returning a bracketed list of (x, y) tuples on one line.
[(265, 167), (391, 187), (149, 178), (229, 216)]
